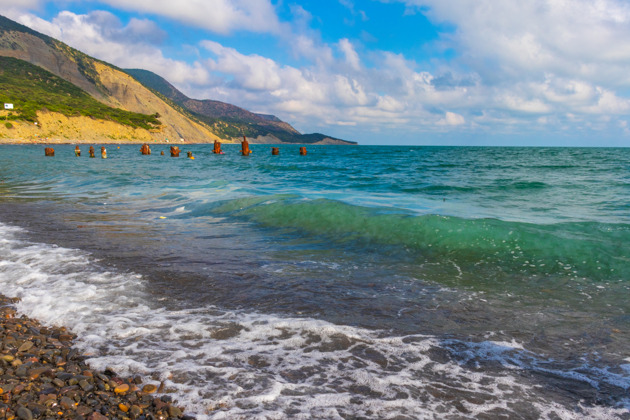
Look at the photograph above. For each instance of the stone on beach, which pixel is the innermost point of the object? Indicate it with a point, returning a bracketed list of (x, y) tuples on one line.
[(149, 389), (42, 376)]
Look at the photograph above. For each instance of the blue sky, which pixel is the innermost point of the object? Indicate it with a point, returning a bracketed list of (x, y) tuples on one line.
[(444, 72)]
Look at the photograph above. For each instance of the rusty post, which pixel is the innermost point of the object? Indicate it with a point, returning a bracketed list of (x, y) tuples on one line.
[(77, 151), (275, 151), (217, 148), (49, 151), (103, 152), (92, 151), (245, 147), (174, 151), (303, 151), (145, 149)]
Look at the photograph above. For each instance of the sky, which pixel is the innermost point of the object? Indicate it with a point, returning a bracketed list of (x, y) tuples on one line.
[(416, 72)]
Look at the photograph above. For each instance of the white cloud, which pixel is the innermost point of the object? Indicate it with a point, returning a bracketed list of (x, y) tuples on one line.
[(21, 5), (251, 72), (220, 16), (102, 35), (352, 58), (451, 119), (584, 39)]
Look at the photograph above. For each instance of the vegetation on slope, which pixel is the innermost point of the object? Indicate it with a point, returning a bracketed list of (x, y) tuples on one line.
[(85, 63), (31, 89)]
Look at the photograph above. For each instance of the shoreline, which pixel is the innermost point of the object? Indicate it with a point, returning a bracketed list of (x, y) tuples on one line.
[(43, 376)]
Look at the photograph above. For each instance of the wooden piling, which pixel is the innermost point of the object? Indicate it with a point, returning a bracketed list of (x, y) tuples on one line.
[(145, 149), (245, 147)]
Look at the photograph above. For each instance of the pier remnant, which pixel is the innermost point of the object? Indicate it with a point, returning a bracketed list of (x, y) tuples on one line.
[(245, 147), (190, 156), (275, 151), (91, 151), (174, 151), (77, 151), (49, 151), (145, 149), (103, 152), (217, 148), (303, 151)]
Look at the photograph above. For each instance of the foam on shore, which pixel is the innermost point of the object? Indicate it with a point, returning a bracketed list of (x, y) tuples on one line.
[(227, 364)]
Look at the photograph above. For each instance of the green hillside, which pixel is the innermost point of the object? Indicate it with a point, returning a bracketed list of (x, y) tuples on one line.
[(31, 89)]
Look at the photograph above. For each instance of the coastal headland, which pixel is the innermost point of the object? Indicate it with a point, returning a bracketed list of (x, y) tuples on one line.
[(53, 93)]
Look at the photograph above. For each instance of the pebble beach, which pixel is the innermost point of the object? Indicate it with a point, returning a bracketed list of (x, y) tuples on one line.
[(43, 376)]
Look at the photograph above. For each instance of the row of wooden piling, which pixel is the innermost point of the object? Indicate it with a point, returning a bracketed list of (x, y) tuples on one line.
[(49, 151), (146, 150)]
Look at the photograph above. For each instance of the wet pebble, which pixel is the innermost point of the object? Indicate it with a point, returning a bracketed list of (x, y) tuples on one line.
[(43, 376), (24, 413)]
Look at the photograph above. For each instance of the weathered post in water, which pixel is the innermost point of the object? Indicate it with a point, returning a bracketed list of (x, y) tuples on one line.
[(190, 156), (217, 148), (145, 149), (103, 152), (174, 151), (77, 151), (92, 151), (49, 151), (275, 151), (303, 151), (245, 147)]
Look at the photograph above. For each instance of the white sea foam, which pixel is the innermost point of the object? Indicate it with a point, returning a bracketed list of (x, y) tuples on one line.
[(223, 364)]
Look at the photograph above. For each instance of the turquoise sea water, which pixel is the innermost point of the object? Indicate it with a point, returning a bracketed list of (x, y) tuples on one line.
[(354, 282)]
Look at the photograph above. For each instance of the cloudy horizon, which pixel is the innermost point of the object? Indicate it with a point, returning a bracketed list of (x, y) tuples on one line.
[(377, 71)]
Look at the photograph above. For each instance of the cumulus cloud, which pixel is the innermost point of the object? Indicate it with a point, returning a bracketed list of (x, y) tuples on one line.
[(23, 4), (102, 35), (220, 16), (518, 66), (451, 119), (351, 56), (587, 39), (533, 58)]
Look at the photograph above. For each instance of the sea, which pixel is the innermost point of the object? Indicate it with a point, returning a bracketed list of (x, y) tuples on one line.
[(356, 282)]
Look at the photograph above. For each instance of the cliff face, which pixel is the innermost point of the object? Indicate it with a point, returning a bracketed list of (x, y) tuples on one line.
[(53, 127), (131, 95)]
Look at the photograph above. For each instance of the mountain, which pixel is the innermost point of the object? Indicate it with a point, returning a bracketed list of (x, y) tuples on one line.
[(103, 82), (229, 120), (62, 94)]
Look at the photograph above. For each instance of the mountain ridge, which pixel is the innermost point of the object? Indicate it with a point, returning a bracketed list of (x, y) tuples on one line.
[(262, 128), (180, 117)]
